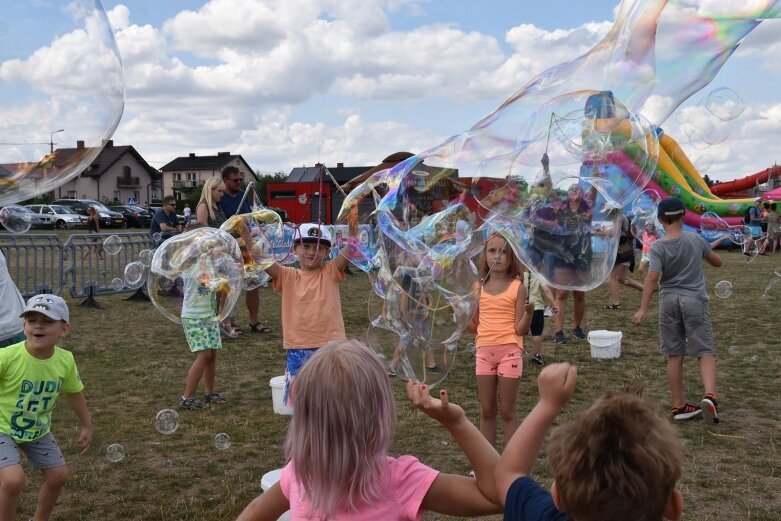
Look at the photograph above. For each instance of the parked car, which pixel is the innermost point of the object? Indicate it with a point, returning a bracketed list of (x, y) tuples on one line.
[(108, 218), (55, 216), (135, 216)]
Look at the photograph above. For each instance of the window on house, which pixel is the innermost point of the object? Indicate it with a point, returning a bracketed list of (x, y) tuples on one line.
[(283, 194), (71, 194), (126, 171), (117, 195), (177, 176), (191, 176)]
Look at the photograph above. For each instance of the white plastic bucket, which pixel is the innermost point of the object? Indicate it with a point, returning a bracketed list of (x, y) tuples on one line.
[(277, 396), (268, 480), (605, 344)]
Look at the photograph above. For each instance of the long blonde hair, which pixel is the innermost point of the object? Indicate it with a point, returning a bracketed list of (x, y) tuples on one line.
[(206, 194), (344, 417)]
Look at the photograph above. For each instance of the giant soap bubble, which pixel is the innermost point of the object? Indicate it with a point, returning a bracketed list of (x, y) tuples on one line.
[(196, 274), (255, 233), (69, 89)]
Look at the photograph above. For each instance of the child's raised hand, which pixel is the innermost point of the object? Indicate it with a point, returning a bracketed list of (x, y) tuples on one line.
[(441, 410), (556, 383)]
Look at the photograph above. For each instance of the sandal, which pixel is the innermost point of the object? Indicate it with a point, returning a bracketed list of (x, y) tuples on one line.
[(228, 332), (612, 306), (257, 327), (214, 398)]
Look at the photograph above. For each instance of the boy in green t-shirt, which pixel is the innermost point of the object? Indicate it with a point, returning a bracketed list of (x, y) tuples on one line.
[(32, 375)]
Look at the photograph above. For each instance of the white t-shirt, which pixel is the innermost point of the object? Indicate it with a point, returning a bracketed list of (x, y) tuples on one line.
[(11, 304)]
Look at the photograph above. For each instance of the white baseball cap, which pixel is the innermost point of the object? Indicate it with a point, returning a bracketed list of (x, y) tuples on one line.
[(51, 306), (311, 233)]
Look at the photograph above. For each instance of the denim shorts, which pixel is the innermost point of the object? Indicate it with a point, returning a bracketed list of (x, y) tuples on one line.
[(43, 453), (685, 326)]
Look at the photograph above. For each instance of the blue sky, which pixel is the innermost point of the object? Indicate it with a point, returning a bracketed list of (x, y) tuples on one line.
[(291, 82)]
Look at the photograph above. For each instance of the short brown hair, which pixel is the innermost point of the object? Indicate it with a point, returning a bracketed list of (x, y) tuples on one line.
[(618, 459), (169, 199), (228, 170)]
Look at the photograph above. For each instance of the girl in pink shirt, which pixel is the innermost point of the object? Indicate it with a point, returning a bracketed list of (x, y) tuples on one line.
[(344, 416), (649, 237), (502, 318)]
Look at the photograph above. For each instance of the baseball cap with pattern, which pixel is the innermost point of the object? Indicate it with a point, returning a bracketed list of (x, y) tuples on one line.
[(311, 233), (51, 306)]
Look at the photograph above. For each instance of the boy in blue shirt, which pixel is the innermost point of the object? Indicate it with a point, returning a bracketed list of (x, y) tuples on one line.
[(33, 373), (619, 459)]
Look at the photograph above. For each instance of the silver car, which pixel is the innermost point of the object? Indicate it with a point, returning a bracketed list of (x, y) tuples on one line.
[(55, 216)]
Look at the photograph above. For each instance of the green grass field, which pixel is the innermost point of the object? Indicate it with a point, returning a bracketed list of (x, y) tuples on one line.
[(134, 363)]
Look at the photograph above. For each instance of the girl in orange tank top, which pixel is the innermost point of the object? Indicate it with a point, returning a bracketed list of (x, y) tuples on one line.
[(502, 319)]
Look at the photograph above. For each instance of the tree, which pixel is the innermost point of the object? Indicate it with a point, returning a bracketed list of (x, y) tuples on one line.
[(263, 179)]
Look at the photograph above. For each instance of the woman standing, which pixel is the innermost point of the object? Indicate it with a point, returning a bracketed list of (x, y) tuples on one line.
[(208, 211), (93, 226)]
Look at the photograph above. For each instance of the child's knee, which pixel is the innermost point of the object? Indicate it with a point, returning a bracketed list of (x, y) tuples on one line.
[(55, 477), (12, 479)]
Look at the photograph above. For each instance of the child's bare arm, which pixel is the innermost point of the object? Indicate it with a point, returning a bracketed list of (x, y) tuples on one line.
[(714, 259), (79, 405), (273, 271), (267, 506), (449, 493), (556, 383), (651, 280), (352, 237), (523, 312)]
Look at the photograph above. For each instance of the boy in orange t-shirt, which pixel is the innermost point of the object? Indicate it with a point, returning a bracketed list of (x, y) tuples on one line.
[(311, 304)]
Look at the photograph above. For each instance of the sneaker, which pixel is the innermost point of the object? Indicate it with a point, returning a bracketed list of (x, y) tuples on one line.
[(214, 398), (548, 312), (687, 411), (710, 408), (538, 359), (559, 337), (578, 333), (191, 403)]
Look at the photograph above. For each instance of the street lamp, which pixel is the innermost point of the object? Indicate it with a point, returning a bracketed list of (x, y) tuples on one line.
[(51, 139)]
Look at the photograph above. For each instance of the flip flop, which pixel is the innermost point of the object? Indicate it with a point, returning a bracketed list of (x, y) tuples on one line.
[(257, 327)]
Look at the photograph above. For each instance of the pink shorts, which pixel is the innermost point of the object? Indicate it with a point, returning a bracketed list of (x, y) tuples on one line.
[(504, 360)]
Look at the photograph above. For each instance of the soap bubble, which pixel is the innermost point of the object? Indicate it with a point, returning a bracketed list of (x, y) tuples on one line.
[(167, 421), (113, 244), (70, 87), (117, 284), (14, 218), (733, 350), (723, 289), (703, 163), (255, 233), (145, 257), (647, 203), (777, 271), (157, 237), (134, 274), (754, 358), (222, 441), (190, 270), (115, 453), (725, 103)]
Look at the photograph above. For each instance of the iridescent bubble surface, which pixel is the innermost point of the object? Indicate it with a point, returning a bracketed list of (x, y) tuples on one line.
[(69, 89), (196, 270)]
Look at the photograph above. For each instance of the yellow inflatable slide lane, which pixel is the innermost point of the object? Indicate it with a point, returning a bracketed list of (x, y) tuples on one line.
[(675, 175)]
